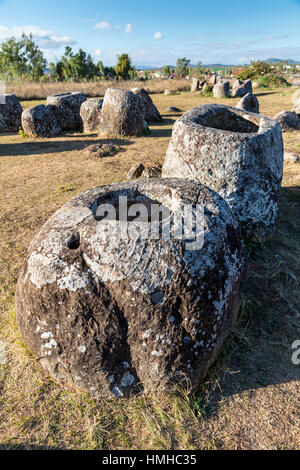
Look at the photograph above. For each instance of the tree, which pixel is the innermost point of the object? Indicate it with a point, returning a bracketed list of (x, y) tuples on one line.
[(101, 68), (133, 74), (22, 58), (166, 70), (182, 66), (123, 66), (78, 66)]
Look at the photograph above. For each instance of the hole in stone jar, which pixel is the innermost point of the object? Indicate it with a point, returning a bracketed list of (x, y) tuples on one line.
[(74, 241), (227, 120)]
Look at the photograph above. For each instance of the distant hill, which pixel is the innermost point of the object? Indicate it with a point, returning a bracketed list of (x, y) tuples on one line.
[(207, 66), (272, 60), (287, 61)]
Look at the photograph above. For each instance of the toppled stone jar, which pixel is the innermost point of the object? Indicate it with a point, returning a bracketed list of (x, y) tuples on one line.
[(40, 121), (66, 108), (238, 154), (116, 305)]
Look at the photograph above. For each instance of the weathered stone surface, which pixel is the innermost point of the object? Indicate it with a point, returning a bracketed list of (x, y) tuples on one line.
[(221, 90), (195, 85), (235, 85), (151, 111), (205, 88), (10, 113), (115, 315), (249, 103), (66, 107), (90, 112), (168, 92), (152, 170), (236, 153), (135, 171), (40, 121), (288, 121), (211, 80), (241, 89), (102, 150), (144, 171), (291, 157), (296, 107), (122, 114)]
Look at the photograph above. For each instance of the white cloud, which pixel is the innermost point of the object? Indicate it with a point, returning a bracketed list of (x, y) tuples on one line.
[(46, 39), (98, 53), (103, 25), (158, 35), (201, 36), (128, 28)]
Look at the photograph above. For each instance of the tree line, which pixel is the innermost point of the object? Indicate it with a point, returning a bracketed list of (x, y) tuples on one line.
[(21, 59)]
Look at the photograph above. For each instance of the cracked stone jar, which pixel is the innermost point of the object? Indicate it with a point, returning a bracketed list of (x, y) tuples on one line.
[(117, 305), (237, 153)]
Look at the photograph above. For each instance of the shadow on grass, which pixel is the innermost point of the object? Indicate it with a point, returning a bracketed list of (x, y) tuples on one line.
[(159, 129), (26, 447), (46, 146), (258, 353), (265, 93)]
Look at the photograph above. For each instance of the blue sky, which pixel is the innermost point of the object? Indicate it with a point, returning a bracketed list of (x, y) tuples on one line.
[(159, 31)]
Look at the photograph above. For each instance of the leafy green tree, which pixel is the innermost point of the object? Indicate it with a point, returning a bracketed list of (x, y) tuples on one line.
[(146, 75), (22, 58), (133, 74), (123, 66), (100, 67), (166, 70), (182, 66), (110, 71), (78, 66)]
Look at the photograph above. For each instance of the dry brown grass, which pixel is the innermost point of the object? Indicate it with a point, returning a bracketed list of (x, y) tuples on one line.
[(251, 397), (39, 91)]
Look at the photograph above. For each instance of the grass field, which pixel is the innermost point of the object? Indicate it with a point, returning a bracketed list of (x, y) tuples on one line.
[(251, 397), (39, 90)]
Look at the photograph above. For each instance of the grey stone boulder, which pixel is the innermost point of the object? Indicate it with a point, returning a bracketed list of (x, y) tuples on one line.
[(112, 311), (10, 113), (291, 157), (195, 85), (151, 111), (249, 103), (40, 121), (240, 89), (90, 112), (152, 170), (205, 88), (135, 171), (211, 80), (144, 171), (66, 107), (236, 153), (288, 120), (221, 90), (123, 114)]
